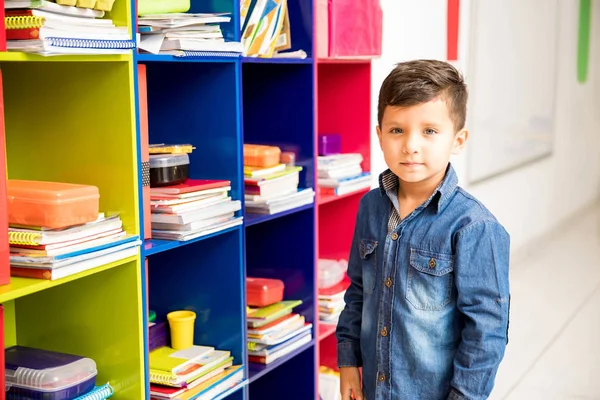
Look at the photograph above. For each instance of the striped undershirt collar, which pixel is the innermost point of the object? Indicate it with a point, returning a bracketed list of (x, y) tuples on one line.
[(388, 181)]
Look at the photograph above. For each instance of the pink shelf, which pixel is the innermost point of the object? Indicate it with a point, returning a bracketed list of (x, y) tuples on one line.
[(326, 199)]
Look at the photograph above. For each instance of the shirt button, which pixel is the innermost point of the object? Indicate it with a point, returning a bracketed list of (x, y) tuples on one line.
[(388, 282), (432, 263), (394, 236), (384, 332), (381, 378)]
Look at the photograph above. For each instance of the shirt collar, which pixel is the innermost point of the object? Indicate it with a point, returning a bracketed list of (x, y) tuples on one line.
[(388, 181)]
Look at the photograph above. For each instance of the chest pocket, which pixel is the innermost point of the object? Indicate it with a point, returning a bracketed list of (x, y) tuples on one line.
[(368, 255), (430, 280)]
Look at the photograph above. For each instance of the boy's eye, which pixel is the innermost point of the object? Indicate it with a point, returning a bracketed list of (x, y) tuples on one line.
[(396, 130), (430, 132)]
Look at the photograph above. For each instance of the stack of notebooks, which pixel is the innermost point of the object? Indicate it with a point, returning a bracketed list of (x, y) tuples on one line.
[(274, 189), (331, 302), (38, 252), (192, 209), (47, 28), (275, 331), (183, 34), (199, 372), (341, 174)]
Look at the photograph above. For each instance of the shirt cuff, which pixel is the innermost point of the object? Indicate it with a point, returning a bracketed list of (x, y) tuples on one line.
[(349, 354), (454, 395)]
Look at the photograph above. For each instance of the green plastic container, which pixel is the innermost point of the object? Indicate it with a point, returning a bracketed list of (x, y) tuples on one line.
[(147, 7)]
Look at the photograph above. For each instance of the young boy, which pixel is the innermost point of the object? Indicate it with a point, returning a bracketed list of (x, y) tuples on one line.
[(427, 310)]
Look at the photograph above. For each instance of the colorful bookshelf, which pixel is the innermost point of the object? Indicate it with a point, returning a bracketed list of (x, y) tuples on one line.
[(88, 125)]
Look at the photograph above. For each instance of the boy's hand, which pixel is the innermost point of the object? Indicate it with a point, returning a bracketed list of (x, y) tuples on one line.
[(349, 382)]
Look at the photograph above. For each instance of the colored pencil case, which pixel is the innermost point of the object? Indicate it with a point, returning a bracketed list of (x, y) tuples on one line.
[(256, 155), (47, 375), (261, 292), (51, 204)]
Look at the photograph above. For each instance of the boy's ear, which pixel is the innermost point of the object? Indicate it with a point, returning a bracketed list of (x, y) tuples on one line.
[(460, 140), (379, 135)]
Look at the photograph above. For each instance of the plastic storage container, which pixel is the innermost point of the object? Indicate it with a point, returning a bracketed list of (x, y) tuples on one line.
[(331, 272), (169, 169), (51, 204), (47, 375), (256, 155), (261, 292), (146, 7), (329, 144)]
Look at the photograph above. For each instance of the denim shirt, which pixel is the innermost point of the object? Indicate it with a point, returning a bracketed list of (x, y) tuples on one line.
[(427, 311)]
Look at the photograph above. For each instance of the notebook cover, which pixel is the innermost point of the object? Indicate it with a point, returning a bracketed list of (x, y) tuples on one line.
[(144, 144), (191, 185), (4, 250)]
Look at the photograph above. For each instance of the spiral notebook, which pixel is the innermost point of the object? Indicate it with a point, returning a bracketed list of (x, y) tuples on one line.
[(98, 393)]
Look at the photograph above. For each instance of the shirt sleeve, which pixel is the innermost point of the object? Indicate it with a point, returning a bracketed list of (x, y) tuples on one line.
[(349, 323), (481, 276)]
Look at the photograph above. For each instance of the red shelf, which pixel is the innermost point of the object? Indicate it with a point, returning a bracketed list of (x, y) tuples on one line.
[(325, 331), (329, 198), (344, 60)]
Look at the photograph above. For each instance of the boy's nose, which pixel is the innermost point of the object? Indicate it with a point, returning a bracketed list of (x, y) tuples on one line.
[(411, 143)]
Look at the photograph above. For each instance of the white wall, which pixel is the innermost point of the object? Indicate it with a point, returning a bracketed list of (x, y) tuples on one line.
[(534, 199)]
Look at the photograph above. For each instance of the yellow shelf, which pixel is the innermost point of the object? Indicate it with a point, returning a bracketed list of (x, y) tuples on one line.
[(19, 56), (20, 287)]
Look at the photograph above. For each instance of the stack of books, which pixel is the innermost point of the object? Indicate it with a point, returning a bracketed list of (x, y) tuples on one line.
[(331, 302), (192, 209), (341, 174), (332, 284), (275, 331), (198, 372), (47, 28), (42, 253), (274, 189), (182, 34)]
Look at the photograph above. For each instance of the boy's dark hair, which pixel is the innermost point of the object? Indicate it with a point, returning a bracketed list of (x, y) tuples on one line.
[(419, 81)]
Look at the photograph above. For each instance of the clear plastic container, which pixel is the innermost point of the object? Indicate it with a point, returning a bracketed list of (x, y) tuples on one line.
[(331, 272), (51, 204), (147, 7), (47, 375), (261, 292), (256, 155), (169, 169)]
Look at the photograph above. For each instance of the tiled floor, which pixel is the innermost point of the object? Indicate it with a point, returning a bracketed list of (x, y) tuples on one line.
[(554, 348)]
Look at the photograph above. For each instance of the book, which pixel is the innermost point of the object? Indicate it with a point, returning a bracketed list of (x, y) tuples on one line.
[(194, 372), (53, 7), (39, 252), (216, 385), (280, 350), (191, 205), (191, 185), (34, 237), (258, 317), (59, 273), (175, 361), (189, 235), (197, 215)]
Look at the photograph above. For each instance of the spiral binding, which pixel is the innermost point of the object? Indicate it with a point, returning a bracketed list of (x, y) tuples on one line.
[(24, 22), (24, 238), (163, 378), (99, 393), (202, 54), (91, 43)]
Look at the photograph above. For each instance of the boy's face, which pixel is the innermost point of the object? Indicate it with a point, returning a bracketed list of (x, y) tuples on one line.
[(417, 141)]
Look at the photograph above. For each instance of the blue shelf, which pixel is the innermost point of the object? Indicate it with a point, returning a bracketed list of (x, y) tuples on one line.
[(154, 246), (169, 58), (256, 60), (253, 219), (256, 371)]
